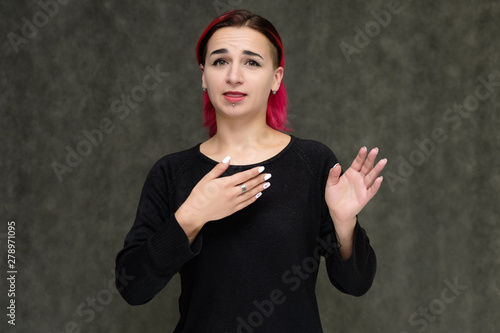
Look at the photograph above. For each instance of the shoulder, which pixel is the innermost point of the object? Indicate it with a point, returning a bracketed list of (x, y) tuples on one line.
[(313, 150), (177, 158), (171, 165), (317, 157)]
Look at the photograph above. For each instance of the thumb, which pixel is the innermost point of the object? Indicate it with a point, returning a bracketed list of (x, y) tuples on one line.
[(218, 169), (333, 176)]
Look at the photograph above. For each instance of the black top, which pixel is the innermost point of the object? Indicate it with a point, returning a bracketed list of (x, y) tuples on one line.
[(253, 271)]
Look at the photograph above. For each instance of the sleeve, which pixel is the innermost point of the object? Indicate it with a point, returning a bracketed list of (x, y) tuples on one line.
[(156, 247), (354, 275)]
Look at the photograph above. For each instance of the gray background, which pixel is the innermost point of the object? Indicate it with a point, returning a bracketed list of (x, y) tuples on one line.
[(435, 224)]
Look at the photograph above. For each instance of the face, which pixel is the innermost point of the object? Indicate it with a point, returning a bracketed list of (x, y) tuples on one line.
[(239, 70)]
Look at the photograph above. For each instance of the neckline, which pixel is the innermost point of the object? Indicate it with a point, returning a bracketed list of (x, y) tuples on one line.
[(269, 160)]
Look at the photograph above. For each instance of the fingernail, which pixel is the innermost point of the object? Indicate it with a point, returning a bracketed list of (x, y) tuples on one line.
[(335, 165), (258, 195), (261, 169), (226, 159), (266, 177), (266, 185)]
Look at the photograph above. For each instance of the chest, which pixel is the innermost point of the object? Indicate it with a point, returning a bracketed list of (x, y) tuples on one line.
[(285, 219)]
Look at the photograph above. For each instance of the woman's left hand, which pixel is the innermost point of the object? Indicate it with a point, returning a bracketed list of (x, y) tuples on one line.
[(347, 195)]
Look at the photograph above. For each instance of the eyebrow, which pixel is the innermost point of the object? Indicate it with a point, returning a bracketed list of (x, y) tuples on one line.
[(219, 51)]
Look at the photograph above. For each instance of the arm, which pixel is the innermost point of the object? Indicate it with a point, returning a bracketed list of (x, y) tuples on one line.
[(345, 236), (347, 194), (352, 265), (162, 240), (355, 274), (156, 246)]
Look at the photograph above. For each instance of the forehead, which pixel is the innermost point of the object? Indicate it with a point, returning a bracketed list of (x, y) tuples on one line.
[(238, 38)]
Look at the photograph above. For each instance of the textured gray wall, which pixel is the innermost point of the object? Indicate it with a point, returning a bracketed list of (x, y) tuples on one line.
[(433, 224)]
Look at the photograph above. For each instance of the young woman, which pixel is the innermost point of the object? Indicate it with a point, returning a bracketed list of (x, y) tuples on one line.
[(248, 252)]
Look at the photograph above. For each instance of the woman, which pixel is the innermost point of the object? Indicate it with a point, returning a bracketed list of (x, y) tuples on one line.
[(247, 252)]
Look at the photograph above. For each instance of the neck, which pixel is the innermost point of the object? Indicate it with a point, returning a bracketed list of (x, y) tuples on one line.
[(239, 133)]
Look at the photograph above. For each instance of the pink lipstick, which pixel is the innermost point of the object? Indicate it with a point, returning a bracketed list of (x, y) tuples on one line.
[(234, 96)]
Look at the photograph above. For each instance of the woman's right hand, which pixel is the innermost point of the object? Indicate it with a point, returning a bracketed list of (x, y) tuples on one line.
[(214, 198)]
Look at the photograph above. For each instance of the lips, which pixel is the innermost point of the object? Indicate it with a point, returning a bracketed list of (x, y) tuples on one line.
[(234, 96)]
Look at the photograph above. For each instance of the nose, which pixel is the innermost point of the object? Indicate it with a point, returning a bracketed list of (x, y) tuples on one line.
[(234, 74)]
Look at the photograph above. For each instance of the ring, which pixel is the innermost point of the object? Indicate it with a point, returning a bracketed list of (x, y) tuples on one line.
[(362, 174), (243, 188)]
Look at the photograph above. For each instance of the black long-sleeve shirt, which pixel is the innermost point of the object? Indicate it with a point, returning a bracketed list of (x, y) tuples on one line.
[(255, 270)]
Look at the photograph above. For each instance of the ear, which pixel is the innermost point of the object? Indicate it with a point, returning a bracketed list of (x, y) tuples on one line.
[(203, 84), (278, 77)]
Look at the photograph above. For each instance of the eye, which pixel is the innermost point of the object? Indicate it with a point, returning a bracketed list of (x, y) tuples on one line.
[(253, 63), (219, 62)]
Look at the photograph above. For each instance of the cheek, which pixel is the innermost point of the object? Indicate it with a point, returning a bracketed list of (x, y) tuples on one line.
[(212, 78), (262, 83)]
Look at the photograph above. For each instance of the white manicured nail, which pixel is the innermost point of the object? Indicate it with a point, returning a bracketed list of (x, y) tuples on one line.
[(266, 185), (261, 169), (266, 177), (226, 159), (258, 195)]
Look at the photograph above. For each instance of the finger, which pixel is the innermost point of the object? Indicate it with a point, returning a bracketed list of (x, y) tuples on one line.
[(236, 191), (373, 174), (375, 187), (369, 162), (256, 181), (218, 169), (244, 176), (333, 176), (251, 196), (247, 202), (359, 160), (255, 190)]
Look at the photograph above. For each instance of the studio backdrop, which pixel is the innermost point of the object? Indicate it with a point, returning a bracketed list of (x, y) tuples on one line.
[(92, 93)]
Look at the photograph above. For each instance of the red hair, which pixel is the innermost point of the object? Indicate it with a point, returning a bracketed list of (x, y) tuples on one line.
[(276, 116)]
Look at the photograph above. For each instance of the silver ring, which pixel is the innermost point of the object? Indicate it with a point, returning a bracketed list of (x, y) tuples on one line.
[(243, 188), (362, 174)]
